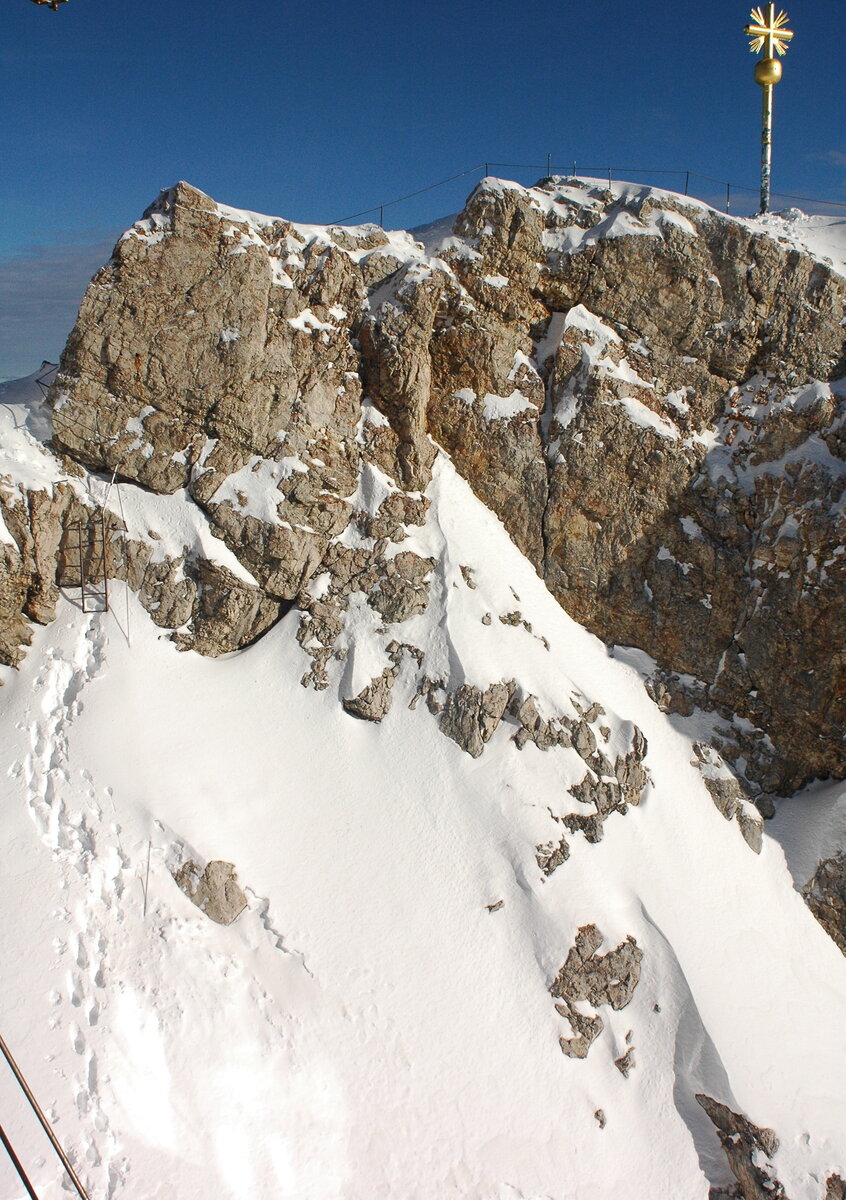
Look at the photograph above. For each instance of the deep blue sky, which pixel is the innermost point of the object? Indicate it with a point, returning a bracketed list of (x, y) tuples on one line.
[(316, 110)]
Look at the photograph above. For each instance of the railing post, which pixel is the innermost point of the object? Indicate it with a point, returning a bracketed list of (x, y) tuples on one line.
[(45, 1124), (17, 1164), (103, 530)]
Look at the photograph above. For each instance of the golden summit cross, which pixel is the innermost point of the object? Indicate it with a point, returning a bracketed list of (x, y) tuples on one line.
[(767, 30)]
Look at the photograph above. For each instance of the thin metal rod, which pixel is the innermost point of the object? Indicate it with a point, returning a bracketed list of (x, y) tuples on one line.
[(45, 1124), (17, 1164), (147, 880), (429, 188), (103, 526), (81, 552), (126, 589)]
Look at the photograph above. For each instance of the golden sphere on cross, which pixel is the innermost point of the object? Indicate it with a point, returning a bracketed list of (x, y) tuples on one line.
[(767, 71)]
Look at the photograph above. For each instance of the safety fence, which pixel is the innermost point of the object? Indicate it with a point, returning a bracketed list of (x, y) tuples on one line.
[(737, 199)]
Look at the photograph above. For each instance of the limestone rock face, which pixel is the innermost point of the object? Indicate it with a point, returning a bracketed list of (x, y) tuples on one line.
[(684, 410), (197, 361), (648, 394)]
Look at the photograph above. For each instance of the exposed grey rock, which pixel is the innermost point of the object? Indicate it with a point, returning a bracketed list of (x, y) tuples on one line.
[(599, 1117), (825, 895), (584, 739), (471, 715), (728, 795), (600, 979), (596, 979), (226, 613), (835, 1188), (551, 855), (765, 805), (534, 728), (402, 590), (374, 701), (752, 828), (607, 789), (586, 1029), (432, 690), (214, 890), (29, 566), (395, 348), (626, 1062), (396, 587), (631, 775), (744, 1145)]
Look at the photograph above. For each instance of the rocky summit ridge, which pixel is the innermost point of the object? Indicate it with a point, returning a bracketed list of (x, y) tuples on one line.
[(649, 394), (273, 433)]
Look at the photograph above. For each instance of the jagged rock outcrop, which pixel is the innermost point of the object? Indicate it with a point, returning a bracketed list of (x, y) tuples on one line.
[(373, 702), (471, 715), (747, 1149), (825, 894), (595, 979), (728, 796), (645, 392)]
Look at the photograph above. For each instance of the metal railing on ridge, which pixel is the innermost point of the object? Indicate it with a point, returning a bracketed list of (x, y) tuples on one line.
[(728, 189)]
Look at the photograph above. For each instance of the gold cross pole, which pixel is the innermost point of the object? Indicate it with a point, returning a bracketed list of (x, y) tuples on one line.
[(768, 32)]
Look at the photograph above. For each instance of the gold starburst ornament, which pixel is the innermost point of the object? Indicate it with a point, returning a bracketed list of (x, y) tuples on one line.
[(768, 31)]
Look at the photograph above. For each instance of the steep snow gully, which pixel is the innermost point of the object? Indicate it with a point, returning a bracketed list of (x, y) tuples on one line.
[(500, 964)]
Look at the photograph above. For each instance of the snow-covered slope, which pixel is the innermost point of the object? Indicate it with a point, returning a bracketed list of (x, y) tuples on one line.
[(376, 1024)]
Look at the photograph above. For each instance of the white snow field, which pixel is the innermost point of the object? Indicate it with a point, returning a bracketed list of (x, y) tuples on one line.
[(368, 1029)]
